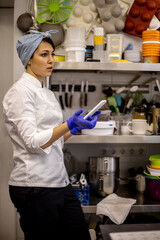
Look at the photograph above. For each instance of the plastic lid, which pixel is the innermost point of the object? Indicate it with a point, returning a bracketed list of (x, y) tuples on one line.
[(99, 31), (154, 157)]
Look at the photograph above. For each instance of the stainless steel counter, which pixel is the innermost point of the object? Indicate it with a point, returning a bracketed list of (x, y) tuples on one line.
[(113, 139), (107, 229), (98, 66), (144, 204)]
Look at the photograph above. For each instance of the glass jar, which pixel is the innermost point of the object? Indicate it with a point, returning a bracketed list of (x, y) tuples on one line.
[(139, 113)]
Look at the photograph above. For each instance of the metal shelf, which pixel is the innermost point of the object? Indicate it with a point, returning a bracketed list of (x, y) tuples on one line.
[(84, 139), (143, 204), (97, 66)]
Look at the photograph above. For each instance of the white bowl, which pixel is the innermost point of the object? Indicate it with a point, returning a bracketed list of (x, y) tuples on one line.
[(154, 172), (102, 128)]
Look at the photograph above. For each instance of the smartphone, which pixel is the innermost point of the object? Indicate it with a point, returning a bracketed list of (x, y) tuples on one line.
[(98, 106)]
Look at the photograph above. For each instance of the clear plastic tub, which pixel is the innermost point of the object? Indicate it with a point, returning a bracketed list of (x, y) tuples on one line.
[(132, 55), (75, 37), (75, 54), (114, 47)]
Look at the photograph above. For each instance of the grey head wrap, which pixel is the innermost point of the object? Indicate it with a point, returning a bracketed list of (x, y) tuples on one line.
[(27, 44)]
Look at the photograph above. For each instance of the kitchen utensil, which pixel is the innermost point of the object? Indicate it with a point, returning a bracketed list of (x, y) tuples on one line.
[(58, 37), (101, 129), (66, 94), (25, 21), (129, 104), (121, 89), (149, 80), (150, 175), (104, 174), (109, 92), (95, 109), (154, 160), (71, 96), (118, 99), (129, 95), (156, 115), (153, 167), (113, 104), (61, 96), (53, 11), (138, 126), (86, 94), (138, 98), (81, 94), (140, 183), (158, 85), (134, 80)]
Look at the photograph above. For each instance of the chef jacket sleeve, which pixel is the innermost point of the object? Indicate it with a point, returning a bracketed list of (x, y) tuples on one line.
[(20, 112)]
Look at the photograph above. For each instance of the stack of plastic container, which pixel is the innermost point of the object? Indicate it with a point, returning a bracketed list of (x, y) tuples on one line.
[(114, 47), (151, 46), (75, 44)]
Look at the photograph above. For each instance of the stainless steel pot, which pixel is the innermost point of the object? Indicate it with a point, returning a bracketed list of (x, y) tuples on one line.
[(104, 174)]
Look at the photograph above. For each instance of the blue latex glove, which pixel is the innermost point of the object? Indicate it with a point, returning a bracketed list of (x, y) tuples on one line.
[(77, 122)]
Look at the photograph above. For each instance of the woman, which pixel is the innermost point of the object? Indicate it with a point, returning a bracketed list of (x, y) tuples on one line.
[(39, 185)]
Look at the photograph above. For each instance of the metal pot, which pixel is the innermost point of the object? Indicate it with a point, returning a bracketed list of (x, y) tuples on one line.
[(104, 174), (25, 21)]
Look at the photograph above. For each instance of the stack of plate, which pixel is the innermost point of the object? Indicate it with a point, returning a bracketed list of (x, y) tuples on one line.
[(154, 165), (152, 176)]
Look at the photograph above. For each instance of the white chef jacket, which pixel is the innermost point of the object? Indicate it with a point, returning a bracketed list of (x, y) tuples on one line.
[(31, 112)]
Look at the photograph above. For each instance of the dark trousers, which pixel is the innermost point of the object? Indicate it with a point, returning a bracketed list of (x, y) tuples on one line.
[(49, 213)]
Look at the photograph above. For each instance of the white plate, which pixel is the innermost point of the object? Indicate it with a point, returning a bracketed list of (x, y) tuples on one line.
[(154, 172)]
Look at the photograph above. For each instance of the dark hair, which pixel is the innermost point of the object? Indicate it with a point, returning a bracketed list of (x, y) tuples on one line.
[(48, 40)]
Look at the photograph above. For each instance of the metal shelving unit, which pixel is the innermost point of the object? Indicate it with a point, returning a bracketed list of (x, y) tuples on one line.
[(84, 139), (143, 204), (110, 67), (116, 67)]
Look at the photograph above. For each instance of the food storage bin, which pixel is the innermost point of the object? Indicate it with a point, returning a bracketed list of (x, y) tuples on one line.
[(102, 128)]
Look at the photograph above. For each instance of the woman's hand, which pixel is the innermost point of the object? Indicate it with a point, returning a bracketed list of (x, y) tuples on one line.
[(77, 122)]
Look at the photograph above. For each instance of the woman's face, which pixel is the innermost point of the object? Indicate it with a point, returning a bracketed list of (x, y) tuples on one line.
[(42, 62)]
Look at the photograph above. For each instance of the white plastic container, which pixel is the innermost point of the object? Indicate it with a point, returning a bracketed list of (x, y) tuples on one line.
[(102, 128), (114, 47), (75, 37), (132, 55), (75, 54)]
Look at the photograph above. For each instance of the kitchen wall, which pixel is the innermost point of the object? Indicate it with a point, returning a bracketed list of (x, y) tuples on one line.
[(7, 211)]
